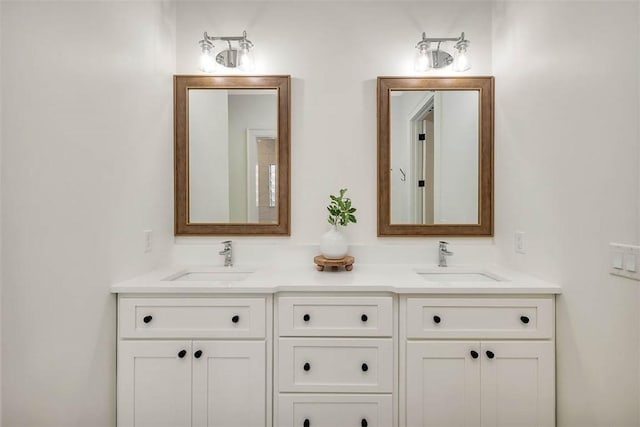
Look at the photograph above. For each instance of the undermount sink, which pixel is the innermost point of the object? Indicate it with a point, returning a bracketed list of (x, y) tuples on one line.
[(211, 274), (456, 276)]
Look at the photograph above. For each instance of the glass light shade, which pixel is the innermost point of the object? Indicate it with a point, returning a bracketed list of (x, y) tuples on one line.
[(207, 63), (245, 59), (461, 60), (423, 59)]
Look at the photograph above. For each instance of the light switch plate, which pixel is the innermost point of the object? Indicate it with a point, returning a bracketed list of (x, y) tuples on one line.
[(623, 260)]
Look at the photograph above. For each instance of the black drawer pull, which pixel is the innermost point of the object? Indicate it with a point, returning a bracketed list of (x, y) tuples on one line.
[(365, 367), (364, 423), (436, 319), (364, 318), (235, 319), (147, 319), (524, 319), (182, 353), (307, 367), (306, 422), (474, 354), (197, 354), (490, 354), (306, 317)]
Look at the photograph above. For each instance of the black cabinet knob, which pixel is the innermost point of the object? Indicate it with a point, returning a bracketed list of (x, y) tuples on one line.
[(474, 354), (197, 354), (524, 319), (490, 354), (182, 353), (306, 423), (364, 318), (364, 423), (436, 319), (365, 367), (306, 317), (147, 319), (307, 366), (235, 319)]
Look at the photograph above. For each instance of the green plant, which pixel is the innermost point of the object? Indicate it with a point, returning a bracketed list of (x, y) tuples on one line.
[(340, 209)]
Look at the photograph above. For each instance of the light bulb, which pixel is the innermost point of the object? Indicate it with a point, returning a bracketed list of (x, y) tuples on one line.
[(245, 59), (207, 64), (422, 61), (461, 60)]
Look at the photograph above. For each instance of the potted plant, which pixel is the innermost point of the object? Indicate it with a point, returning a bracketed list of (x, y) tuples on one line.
[(333, 244)]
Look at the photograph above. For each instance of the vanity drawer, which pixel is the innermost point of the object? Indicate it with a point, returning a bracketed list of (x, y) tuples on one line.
[(335, 365), (335, 316), (479, 317), (327, 410), (192, 317)]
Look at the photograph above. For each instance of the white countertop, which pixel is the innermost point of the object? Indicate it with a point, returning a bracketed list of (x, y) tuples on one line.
[(395, 278)]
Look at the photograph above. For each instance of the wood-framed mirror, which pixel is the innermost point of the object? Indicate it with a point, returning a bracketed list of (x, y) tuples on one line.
[(435, 156), (232, 155)]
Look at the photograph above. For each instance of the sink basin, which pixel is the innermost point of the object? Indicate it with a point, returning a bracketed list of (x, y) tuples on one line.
[(457, 276), (211, 274)]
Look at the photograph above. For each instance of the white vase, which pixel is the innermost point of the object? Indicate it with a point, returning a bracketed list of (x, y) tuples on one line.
[(333, 244)]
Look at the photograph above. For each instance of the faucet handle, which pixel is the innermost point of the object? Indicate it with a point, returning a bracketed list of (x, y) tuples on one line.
[(227, 243), (443, 243)]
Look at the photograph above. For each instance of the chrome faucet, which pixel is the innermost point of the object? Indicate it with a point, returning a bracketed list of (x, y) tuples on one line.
[(228, 253), (443, 253)]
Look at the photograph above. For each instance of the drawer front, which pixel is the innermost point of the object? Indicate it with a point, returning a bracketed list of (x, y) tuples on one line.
[(335, 365), (334, 410), (480, 318), (335, 316), (192, 317)]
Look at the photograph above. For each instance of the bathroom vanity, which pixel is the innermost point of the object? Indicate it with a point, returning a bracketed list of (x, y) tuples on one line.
[(376, 347)]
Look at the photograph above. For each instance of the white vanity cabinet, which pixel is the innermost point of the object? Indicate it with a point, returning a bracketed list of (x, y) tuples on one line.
[(344, 355), (477, 361), (194, 361), (335, 361)]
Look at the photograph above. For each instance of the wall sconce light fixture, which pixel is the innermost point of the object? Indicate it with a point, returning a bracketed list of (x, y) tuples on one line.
[(427, 57), (232, 57)]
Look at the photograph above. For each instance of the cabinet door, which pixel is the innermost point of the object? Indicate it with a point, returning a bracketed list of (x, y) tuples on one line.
[(443, 384), (518, 384), (154, 384), (229, 384)]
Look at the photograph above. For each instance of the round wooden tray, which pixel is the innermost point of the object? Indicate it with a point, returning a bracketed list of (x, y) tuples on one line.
[(334, 264)]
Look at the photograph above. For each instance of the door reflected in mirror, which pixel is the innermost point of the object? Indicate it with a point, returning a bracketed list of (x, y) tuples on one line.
[(434, 156), (233, 155)]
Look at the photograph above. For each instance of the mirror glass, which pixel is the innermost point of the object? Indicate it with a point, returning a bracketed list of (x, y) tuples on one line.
[(435, 156), (233, 155), (434, 164)]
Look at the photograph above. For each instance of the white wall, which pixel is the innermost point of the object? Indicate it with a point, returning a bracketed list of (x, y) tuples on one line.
[(334, 52), (86, 166), (456, 143), (1, 215), (567, 174), (208, 156)]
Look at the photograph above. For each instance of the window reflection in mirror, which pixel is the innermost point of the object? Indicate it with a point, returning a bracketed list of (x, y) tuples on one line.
[(233, 148), (434, 156)]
